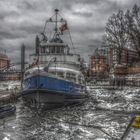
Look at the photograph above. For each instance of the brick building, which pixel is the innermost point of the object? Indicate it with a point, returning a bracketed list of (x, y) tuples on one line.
[(134, 69), (124, 57), (121, 67), (133, 76), (111, 60), (99, 66), (6, 73), (4, 61)]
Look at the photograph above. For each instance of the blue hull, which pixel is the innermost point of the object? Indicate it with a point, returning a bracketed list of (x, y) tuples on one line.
[(47, 89), (51, 83)]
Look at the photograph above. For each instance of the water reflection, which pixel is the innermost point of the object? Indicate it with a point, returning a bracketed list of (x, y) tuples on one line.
[(103, 117)]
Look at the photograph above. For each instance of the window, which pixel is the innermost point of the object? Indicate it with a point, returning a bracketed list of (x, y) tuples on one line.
[(60, 74), (71, 77), (52, 72), (62, 49), (52, 49), (57, 49)]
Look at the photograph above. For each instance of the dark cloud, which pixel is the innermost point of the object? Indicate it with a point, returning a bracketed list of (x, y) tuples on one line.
[(31, 29), (27, 5), (4, 14), (10, 35)]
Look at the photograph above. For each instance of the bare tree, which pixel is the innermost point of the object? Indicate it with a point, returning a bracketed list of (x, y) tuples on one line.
[(133, 27), (116, 35)]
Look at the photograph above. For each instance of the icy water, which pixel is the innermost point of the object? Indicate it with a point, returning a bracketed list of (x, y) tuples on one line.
[(103, 117)]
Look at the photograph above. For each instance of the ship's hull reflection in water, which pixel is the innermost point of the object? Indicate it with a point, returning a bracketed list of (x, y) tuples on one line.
[(37, 100)]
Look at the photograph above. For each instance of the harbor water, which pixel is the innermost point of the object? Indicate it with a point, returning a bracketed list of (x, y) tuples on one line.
[(104, 116)]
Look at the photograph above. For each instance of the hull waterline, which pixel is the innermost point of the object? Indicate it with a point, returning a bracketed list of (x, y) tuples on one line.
[(51, 99)]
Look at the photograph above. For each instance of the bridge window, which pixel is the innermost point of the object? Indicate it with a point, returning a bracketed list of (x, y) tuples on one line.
[(62, 49), (58, 49), (52, 49), (42, 49)]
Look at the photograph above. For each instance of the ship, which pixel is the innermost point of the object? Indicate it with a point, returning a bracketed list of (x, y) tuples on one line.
[(54, 75)]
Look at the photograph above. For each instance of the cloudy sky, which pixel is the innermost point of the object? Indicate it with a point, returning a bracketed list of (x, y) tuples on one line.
[(21, 20)]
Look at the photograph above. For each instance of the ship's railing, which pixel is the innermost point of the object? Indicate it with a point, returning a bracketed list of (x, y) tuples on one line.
[(70, 59)]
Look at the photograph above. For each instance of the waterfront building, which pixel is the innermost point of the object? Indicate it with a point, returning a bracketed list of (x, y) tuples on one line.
[(4, 60), (121, 67), (133, 77), (105, 59), (125, 56), (121, 63), (134, 69), (99, 66), (7, 72)]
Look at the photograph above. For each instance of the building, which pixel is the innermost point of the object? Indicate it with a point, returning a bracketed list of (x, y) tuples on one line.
[(4, 60), (125, 56), (118, 66), (6, 71), (99, 66), (133, 76), (134, 69)]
